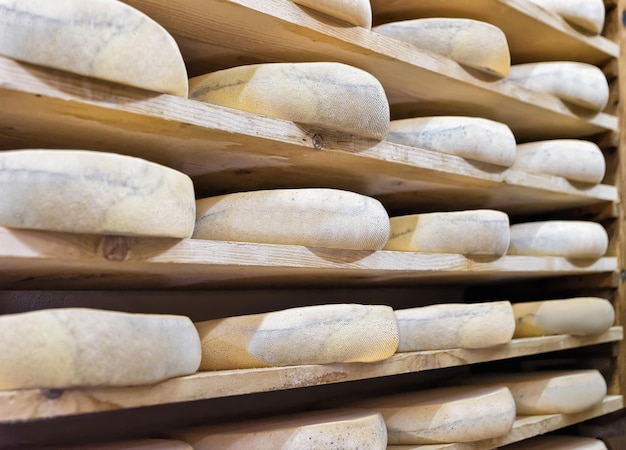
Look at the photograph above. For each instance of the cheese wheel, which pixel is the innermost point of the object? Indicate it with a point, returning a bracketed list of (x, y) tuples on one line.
[(445, 415), (566, 238), (475, 232), (550, 392), (321, 94), (68, 347), (469, 137), (91, 192), (446, 326), (355, 12), (574, 159), (583, 316), (558, 443), (344, 429), (319, 334), (104, 39), (472, 43), (312, 217), (578, 83), (145, 444), (586, 14)]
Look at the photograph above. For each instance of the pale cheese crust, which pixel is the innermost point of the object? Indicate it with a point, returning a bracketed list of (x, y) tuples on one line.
[(587, 14), (556, 442), (355, 12)]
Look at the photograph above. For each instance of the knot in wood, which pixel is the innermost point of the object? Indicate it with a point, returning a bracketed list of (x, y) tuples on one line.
[(114, 248)]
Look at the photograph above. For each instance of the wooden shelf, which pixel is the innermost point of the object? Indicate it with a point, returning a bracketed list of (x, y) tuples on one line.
[(225, 150), (28, 404), (519, 19), (527, 427), (215, 34)]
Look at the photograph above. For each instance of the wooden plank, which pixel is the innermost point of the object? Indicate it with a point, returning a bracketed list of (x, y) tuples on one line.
[(215, 34), (227, 151), (29, 404)]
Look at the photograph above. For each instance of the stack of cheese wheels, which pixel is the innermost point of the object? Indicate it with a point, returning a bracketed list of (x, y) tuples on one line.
[(566, 238), (583, 316), (446, 326), (474, 232), (475, 44), (586, 14), (314, 217), (355, 12), (145, 444), (321, 94), (346, 429), (469, 137), (550, 392), (558, 442), (91, 192), (104, 39), (574, 159), (578, 83), (445, 415), (69, 347), (308, 335)]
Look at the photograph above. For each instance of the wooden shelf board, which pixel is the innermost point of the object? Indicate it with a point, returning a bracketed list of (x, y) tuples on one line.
[(526, 427), (44, 260), (27, 404), (518, 19), (225, 150), (215, 34)]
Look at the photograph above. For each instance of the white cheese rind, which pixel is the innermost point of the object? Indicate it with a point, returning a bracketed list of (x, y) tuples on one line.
[(473, 43), (578, 83), (355, 12), (320, 334), (587, 14), (566, 238), (311, 217), (92, 192), (332, 429), (584, 316), (574, 159), (474, 232), (70, 347), (322, 94), (469, 137), (104, 39), (448, 326), (556, 442)]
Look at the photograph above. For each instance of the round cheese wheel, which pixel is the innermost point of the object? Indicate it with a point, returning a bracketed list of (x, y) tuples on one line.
[(566, 238), (331, 429), (355, 12), (469, 137), (578, 316), (145, 444), (447, 326), (312, 217), (92, 192), (586, 14), (320, 334), (321, 94), (69, 347), (475, 232), (472, 43), (574, 159), (578, 83), (557, 442), (104, 39), (445, 415)]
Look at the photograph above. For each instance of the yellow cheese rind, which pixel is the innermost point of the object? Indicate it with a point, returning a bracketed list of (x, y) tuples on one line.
[(311, 217), (578, 83), (70, 347), (92, 192), (346, 429), (445, 415), (322, 94), (587, 14), (144, 444), (566, 238), (474, 232), (557, 442), (585, 316), (573, 159), (355, 12), (319, 334), (469, 137), (472, 43), (103, 39), (447, 326)]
